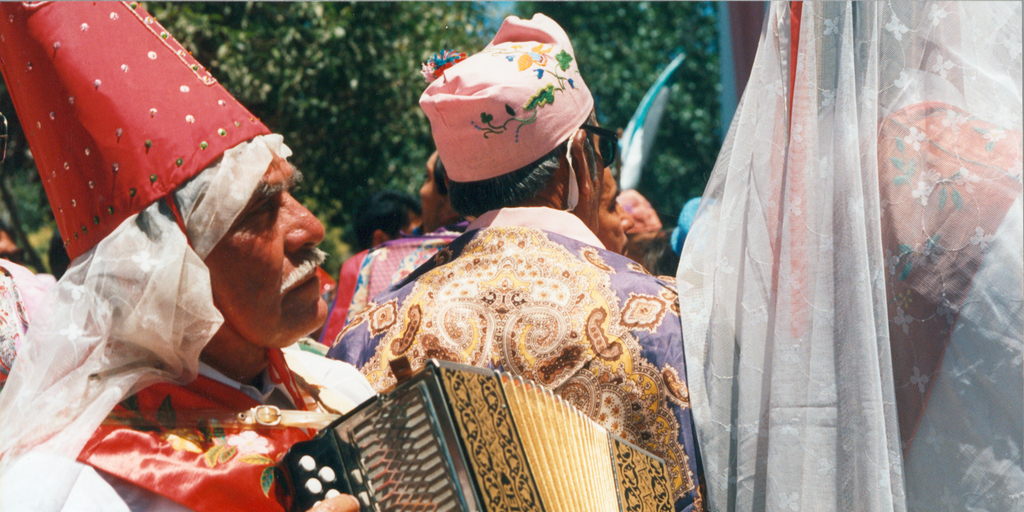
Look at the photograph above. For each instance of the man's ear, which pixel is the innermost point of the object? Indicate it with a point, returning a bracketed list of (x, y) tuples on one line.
[(582, 165), (447, 186), (379, 237)]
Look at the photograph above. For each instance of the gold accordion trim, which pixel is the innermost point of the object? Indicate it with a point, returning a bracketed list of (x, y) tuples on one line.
[(458, 438)]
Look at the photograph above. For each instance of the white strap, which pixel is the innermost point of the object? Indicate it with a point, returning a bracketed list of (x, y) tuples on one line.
[(574, 189), (271, 416)]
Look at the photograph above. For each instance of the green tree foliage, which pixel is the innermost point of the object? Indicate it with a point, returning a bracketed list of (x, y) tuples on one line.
[(341, 82), (622, 47)]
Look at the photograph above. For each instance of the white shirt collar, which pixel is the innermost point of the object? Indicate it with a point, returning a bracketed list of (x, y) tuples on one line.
[(539, 217), (260, 395)]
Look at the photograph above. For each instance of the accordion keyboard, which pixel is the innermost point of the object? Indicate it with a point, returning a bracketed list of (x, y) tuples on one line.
[(403, 459)]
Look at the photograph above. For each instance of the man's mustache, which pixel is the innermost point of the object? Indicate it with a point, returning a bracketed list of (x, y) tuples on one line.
[(311, 259)]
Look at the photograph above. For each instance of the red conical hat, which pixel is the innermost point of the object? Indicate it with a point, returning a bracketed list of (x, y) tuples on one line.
[(117, 113)]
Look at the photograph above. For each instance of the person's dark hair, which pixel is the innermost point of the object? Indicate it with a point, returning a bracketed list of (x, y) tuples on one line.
[(388, 211), (439, 175), (654, 252), (474, 198)]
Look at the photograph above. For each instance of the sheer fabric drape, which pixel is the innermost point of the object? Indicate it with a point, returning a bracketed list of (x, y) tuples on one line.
[(852, 286), (135, 310)]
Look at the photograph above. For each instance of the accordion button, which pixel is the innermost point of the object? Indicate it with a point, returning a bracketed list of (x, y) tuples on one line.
[(314, 486), (307, 463), (327, 474), (357, 476), (333, 493), (364, 499)]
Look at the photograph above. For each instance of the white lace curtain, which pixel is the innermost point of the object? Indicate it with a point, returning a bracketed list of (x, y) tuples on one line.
[(852, 287)]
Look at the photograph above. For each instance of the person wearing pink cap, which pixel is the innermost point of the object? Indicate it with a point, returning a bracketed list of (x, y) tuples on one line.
[(192, 269), (529, 288)]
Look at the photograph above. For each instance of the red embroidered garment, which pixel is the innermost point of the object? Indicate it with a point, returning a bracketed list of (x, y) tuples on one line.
[(180, 442)]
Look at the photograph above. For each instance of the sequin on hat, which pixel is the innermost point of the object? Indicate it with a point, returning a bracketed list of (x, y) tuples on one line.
[(104, 94), (510, 104)]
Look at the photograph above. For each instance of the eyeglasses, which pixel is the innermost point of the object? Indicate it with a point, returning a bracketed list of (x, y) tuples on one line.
[(607, 142)]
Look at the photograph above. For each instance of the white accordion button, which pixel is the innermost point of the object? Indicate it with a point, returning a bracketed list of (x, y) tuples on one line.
[(307, 463), (314, 486), (327, 474), (333, 493)]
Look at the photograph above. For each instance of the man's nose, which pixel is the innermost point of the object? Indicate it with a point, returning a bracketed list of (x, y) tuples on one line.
[(302, 228)]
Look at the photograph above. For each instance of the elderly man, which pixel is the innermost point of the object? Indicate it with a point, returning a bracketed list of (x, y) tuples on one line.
[(530, 288), (193, 266)]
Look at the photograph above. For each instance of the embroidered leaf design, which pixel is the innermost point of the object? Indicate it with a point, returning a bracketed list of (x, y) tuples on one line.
[(906, 271), (564, 59), (543, 97), (256, 459), (905, 249), (990, 146), (486, 118), (900, 145), (911, 168), (942, 198), (165, 414), (958, 200), (183, 443), (980, 130), (525, 61), (213, 454), (131, 403), (267, 480), (900, 180), (511, 111), (897, 162), (226, 454)]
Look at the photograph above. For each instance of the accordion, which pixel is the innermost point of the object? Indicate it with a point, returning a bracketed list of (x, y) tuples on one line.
[(452, 437)]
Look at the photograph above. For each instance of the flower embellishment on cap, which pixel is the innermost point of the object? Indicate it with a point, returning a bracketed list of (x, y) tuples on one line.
[(536, 61), (437, 63)]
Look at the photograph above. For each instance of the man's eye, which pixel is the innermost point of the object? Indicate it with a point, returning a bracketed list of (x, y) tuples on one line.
[(257, 210)]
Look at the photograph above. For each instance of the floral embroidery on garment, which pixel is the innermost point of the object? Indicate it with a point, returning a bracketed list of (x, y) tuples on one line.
[(538, 61), (13, 323), (215, 443), (949, 175), (193, 447)]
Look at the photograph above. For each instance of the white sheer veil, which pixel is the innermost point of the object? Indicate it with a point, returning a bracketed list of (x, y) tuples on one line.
[(851, 289), (134, 310)]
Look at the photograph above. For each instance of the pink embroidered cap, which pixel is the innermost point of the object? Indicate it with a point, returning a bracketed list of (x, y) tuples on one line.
[(510, 104)]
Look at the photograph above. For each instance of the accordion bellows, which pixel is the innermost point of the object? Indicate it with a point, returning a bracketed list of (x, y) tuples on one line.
[(458, 438)]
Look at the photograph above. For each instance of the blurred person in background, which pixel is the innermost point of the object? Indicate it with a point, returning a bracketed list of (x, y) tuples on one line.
[(386, 215), (370, 272)]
